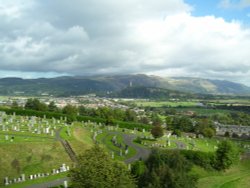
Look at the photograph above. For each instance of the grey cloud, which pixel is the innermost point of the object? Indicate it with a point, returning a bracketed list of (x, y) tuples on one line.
[(86, 37)]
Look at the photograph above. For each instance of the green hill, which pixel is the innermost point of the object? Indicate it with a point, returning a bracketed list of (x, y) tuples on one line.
[(66, 86)]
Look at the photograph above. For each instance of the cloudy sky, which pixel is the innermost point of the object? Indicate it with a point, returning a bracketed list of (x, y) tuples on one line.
[(47, 38)]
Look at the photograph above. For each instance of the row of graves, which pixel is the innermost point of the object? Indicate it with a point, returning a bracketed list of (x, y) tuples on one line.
[(23, 178), (170, 140), (11, 125), (99, 128), (189, 142)]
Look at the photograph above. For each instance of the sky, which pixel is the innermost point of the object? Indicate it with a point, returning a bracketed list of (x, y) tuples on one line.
[(191, 38)]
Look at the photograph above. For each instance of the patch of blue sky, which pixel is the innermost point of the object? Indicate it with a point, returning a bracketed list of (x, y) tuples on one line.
[(227, 9)]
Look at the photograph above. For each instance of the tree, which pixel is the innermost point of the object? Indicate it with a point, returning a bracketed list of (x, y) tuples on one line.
[(138, 168), (227, 134), (96, 169), (208, 132), (235, 135), (156, 120), (130, 116), (144, 120), (165, 168), (157, 132), (14, 105), (70, 110), (177, 132), (52, 107), (35, 104), (226, 154)]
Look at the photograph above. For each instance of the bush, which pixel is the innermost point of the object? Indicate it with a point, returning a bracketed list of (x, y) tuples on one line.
[(157, 131), (202, 159), (226, 154)]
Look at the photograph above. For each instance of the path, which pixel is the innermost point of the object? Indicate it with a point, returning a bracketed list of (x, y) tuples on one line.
[(66, 146), (49, 184), (180, 145), (141, 153)]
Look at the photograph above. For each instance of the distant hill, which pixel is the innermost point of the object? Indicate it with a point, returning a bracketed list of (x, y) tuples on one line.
[(155, 93), (65, 86)]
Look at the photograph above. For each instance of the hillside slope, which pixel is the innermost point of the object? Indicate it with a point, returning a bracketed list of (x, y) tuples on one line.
[(65, 86)]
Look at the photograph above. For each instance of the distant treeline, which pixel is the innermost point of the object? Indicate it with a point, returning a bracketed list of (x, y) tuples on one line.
[(235, 108)]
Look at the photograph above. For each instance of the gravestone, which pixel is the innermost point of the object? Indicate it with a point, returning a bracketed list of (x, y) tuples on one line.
[(63, 168), (54, 171), (126, 151), (6, 181), (65, 184), (129, 167), (94, 136), (168, 142)]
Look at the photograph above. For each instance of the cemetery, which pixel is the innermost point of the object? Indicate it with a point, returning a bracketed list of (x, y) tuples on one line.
[(39, 149)]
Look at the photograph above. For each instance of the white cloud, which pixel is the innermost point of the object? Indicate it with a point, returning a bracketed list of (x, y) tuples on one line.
[(119, 37), (229, 4)]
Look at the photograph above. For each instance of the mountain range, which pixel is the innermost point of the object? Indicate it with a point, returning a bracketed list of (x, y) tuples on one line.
[(77, 85)]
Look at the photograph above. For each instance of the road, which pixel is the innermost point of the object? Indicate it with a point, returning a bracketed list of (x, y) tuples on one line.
[(141, 153)]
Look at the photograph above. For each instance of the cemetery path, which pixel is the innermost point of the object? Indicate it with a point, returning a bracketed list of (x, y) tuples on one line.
[(66, 146), (180, 145), (141, 153), (49, 184)]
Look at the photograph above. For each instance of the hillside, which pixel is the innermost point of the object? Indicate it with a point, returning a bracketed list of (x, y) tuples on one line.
[(65, 86), (154, 93)]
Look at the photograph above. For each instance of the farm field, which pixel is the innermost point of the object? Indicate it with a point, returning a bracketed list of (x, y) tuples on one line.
[(167, 103), (202, 111)]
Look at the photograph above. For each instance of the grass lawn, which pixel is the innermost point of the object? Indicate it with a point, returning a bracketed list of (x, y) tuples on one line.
[(30, 158), (236, 177)]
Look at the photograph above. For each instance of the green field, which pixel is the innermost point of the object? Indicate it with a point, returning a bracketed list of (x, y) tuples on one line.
[(166, 103), (202, 111), (236, 177)]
